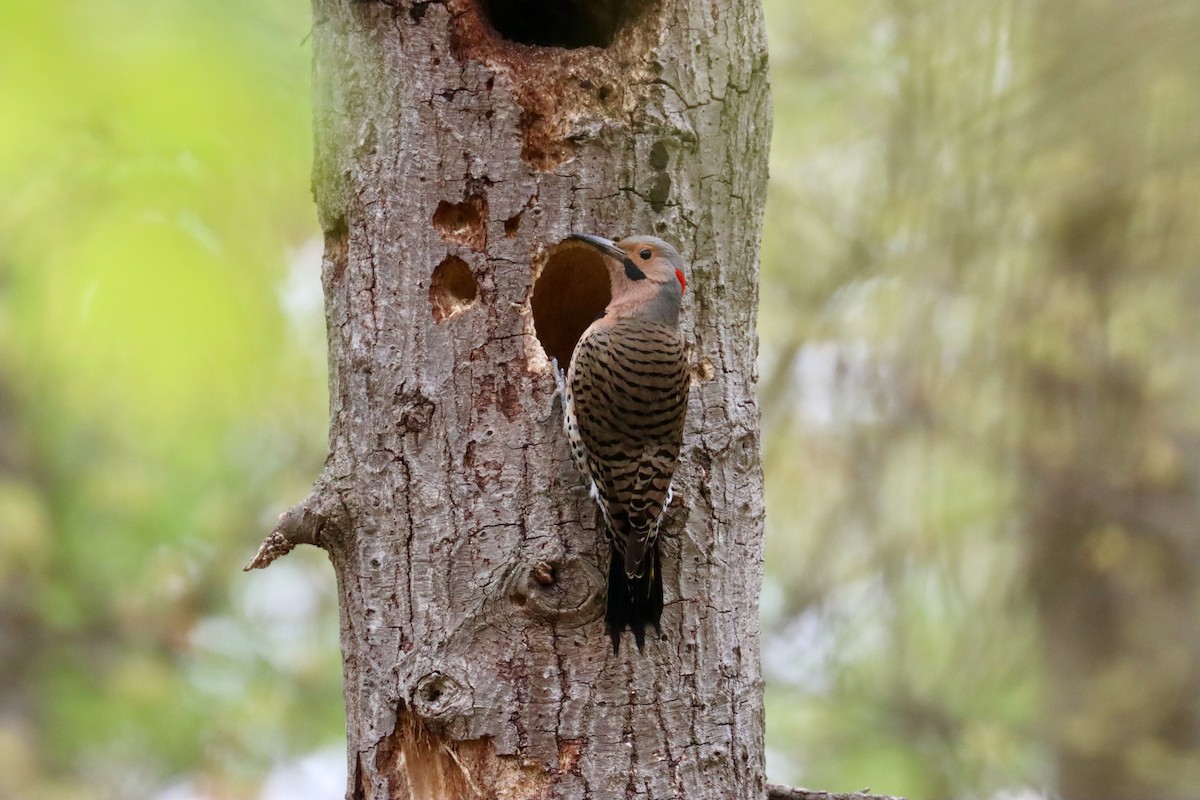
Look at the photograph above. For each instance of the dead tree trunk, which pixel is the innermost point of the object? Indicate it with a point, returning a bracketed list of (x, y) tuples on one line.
[(458, 142)]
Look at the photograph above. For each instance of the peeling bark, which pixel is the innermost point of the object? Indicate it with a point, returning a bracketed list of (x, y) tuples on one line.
[(450, 166)]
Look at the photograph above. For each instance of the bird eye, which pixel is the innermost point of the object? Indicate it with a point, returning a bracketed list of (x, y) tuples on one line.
[(645, 254)]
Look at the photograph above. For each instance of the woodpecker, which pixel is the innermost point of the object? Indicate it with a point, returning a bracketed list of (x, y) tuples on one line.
[(626, 398)]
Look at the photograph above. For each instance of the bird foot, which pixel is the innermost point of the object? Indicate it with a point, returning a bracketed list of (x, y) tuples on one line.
[(558, 400), (560, 379), (675, 514)]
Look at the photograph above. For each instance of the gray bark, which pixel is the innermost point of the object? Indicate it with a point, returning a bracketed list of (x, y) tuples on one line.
[(451, 164)]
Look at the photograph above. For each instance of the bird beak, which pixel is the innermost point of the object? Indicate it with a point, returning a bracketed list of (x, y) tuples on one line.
[(606, 246)]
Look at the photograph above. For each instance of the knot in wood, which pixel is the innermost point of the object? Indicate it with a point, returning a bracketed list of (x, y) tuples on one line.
[(566, 591), (438, 697)]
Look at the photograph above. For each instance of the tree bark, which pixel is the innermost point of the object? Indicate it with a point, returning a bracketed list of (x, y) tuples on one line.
[(451, 163)]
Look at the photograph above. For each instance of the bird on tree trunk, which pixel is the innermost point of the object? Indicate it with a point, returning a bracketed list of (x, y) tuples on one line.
[(625, 401)]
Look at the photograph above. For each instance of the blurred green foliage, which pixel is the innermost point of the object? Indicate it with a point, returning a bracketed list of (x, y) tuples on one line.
[(980, 384), (979, 379), (161, 397)]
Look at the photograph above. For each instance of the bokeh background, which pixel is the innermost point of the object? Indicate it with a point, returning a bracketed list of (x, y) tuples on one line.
[(980, 366)]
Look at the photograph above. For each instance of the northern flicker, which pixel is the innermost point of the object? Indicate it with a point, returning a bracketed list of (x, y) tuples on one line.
[(626, 397)]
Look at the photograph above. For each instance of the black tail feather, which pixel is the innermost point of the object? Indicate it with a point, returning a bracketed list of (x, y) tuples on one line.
[(635, 602)]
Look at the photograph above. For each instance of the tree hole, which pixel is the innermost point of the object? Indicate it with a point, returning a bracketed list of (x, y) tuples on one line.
[(464, 223), (659, 156), (512, 225), (452, 290), (561, 23), (660, 191), (439, 696), (570, 293)]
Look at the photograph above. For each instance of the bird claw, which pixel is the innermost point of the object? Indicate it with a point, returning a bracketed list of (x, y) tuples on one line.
[(560, 390), (675, 513), (560, 379)]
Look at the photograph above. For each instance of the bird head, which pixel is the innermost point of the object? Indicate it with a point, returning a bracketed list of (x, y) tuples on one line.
[(646, 274)]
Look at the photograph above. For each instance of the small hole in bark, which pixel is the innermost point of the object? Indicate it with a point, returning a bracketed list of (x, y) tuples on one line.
[(659, 157), (512, 225), (438, 695), (561, 23), (452, 290), (570, 294), (704, 371), (463, 223), (660, 191)]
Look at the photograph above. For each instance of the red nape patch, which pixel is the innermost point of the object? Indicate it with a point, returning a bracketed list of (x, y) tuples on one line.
[(682, 281)]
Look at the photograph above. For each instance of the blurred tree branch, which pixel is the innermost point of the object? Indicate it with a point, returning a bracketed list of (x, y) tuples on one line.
[(777, 791)]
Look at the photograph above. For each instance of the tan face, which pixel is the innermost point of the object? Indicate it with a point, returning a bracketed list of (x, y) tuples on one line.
[(641, 262), (654, 258)]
